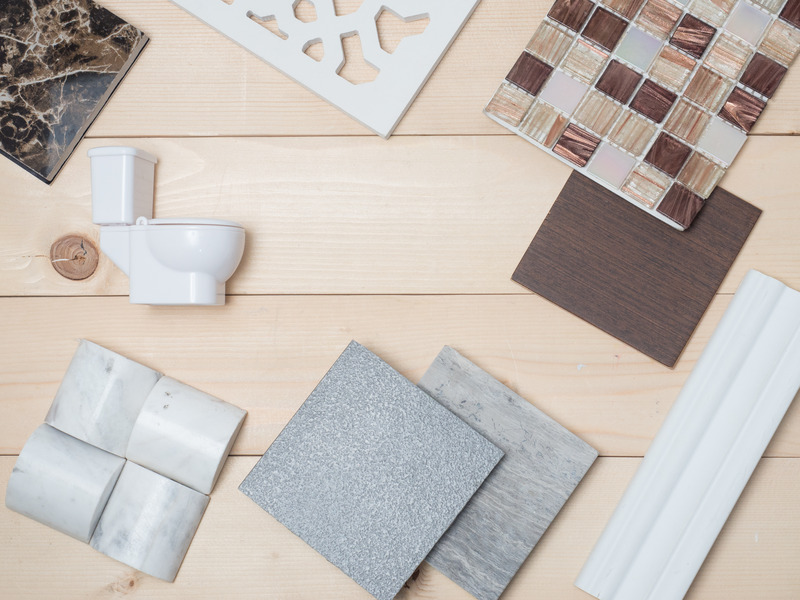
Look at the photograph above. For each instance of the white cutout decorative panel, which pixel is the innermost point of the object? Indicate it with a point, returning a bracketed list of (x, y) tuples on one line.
[(273, 31)]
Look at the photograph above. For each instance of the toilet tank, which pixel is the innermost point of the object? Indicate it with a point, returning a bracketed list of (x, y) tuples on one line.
[(122, 184)]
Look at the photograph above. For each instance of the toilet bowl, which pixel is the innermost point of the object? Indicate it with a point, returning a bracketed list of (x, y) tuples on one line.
[(168, 261)]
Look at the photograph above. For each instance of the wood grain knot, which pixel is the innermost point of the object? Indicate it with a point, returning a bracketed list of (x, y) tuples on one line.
[(74, 257)]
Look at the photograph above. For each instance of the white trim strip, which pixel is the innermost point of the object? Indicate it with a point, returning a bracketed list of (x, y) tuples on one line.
[(705, 452)]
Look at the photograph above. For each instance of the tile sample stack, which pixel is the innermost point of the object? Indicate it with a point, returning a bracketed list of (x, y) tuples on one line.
[(543, 463), (371, 471), (61, 61), (615, 267), (652, 99), (703, 455), (78, 473)]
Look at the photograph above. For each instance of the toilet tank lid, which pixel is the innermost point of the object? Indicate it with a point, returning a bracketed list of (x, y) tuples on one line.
[(122, 151)]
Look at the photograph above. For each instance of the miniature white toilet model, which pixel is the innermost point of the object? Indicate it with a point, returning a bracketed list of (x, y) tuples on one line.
[(168, 261)]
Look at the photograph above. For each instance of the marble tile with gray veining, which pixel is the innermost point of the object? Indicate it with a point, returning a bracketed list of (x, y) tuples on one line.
[(543, 463), (371, 471), (149, 522), (60, 61)]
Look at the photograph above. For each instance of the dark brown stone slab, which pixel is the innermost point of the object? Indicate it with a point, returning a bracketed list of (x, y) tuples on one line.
[(529, 73), (692, 36), (763, 75), (605, 28), (791, 12), (618, 268), (576, 145), (681, 205), (742, 109), (572, 13), (668, 154), (653, 101), (618, 81)]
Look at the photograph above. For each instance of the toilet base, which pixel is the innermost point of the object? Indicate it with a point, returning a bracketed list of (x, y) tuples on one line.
[(175, 288)]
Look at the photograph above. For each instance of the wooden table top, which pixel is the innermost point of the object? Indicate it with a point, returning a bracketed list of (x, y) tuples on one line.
[(404, 245)]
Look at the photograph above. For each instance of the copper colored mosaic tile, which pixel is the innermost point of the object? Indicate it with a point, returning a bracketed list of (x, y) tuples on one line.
[(605, 28), (771, 6), (598, 112), (668, 154), (687, 121), (791, 12), (618, 81), (781, 43), (576, 145), (712, 11), (544, 124), (549, 43), (658, 17), (632, 132), (692, 36), (728, 55), (681, 205), (529, 73), (701, 174), (672, 68), (627, 8), (510, 104), (646, 184), (742, 109), (653, 101), (572, 13), (708, 89), (584, 61), (763, 75)]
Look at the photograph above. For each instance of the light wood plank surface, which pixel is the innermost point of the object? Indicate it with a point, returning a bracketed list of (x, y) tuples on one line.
[(405, 245)]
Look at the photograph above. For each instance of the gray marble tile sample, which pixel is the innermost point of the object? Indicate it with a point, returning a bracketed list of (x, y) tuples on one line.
[(62, 482), (371, 471), (149, 522), (100, 397), (543, 463)]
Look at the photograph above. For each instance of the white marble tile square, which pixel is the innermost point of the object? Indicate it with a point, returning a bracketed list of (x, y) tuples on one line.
[(748, 22), (722, 140), (563, 92), (638, 48), (149, 522), (611, 165)]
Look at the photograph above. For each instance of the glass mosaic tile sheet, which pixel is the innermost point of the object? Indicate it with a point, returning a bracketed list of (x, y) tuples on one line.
[(60, 61), (653, 99)]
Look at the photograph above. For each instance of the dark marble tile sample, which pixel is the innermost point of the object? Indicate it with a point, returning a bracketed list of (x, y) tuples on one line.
[(653, 101), (529, 73), (60, 61), (605, 28), (618, 81), (572, 13), (791, 13), (742, 109), (371, 471), (576, 145), (668, 154), (763, 75), (692, 35), (543, 464), (681, 205), (613, 265)]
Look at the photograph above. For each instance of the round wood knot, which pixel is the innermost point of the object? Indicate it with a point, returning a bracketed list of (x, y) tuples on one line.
[(74, 257)]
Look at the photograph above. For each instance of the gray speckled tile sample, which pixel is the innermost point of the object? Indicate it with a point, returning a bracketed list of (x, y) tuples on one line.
[(371, 471), (543, 463)]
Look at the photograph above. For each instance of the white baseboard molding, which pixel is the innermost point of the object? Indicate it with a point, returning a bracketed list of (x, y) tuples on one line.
[(703, 455)]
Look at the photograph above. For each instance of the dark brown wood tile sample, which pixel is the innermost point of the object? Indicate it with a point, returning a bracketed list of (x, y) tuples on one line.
[(616, 267), (763, 75), (791, 13), (742, 109), (668, 154), (571, 13), (576, 145), (681, 205), (653, 101), (692, 36), (618, 81), (529, 73), (605, 28)]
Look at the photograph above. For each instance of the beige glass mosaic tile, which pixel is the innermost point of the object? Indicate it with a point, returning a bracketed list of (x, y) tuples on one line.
[(650, 98)]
